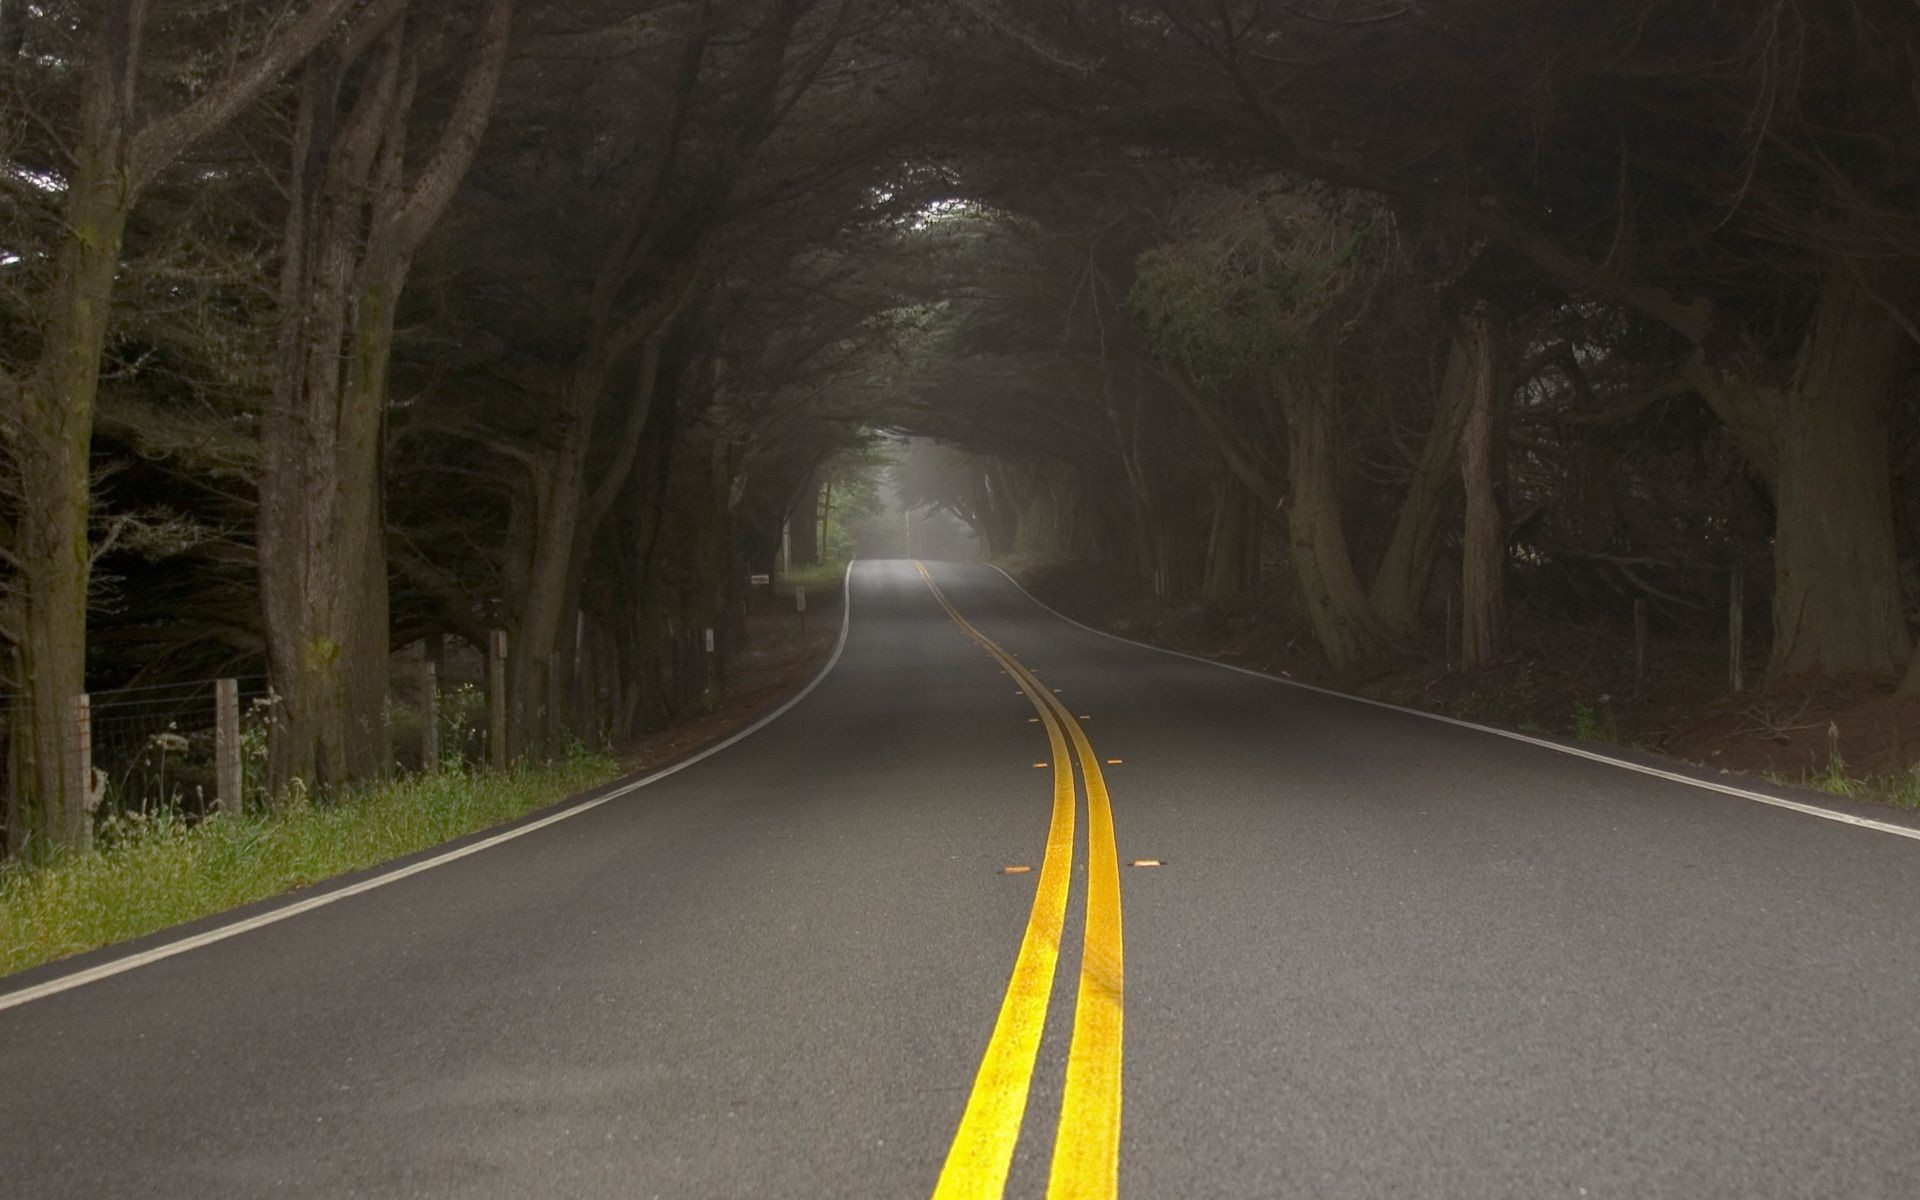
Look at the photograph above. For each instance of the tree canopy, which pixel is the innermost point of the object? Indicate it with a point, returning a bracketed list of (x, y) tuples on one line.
[(331, 325)]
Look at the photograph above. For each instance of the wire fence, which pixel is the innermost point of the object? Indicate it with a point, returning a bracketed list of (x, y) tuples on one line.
[(157, 747), (186, 750), (161, 749)]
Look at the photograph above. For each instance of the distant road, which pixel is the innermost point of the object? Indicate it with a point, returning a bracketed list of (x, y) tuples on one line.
[(1381, 956)]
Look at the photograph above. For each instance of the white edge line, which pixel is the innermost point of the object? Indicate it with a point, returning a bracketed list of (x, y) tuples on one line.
[(1812, 810), (132, 961)]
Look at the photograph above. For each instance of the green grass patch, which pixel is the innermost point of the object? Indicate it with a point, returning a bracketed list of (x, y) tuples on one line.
[(146, 875), (1898, 788), (821, 576)]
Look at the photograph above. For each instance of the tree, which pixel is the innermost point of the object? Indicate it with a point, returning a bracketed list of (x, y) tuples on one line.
[(359, 213), (109, 157)]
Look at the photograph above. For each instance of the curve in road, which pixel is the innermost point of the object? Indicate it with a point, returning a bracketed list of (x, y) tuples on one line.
[(1385, 955)]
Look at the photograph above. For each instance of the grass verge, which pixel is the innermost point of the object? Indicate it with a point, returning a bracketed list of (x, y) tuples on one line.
[(147, 875), (820, 577), (1901, 789)]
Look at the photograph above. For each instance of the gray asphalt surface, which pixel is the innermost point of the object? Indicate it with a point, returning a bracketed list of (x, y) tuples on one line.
[(1387, 957)]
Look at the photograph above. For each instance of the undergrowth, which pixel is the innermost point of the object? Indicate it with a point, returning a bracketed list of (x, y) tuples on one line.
[(1898, 788), (819, 577), (147, 873)]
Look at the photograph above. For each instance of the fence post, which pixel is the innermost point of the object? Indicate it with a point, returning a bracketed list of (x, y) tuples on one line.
[(78, 768), (551, 726), (226, 746), (497, 701), (712, 674), (1639, 643), (429, 717), (1737, 630)]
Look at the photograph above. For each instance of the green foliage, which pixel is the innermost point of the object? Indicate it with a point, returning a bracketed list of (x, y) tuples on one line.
[(462, 715), (852, 481), (1242, 292), (150, 871), (1594, 724), (819, 577), (1898, 788), (1833, 777), (1220, 328)]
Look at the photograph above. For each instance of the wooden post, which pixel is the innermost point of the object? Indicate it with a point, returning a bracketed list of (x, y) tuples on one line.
[(429, 716), (79, 752), (1639, 643), (1737, 630), (497, 701), (712, 660), (800, 606), (226, 747), (1449, 619)]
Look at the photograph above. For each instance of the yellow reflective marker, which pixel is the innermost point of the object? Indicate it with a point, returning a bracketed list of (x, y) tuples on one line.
[(982, 1149)]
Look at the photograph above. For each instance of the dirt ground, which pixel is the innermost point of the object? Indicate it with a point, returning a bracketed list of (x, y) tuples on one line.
[(779, 662), (1562, 678)]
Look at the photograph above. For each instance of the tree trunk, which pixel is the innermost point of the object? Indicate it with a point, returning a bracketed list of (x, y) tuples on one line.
[(803, 526), (353, 228), (55, 433), (562, 497), (320, 433), (1330, 593), (1910, 686), (366, 629), (1836, 602), (1483, 542), (826, 517), (1232, 548), (1400, 584), (1820, 440)]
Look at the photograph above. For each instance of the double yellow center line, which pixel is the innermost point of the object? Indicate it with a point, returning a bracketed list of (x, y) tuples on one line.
[(1086, 1150)]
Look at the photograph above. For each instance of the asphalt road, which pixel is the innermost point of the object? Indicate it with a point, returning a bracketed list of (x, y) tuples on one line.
[(1385, 956)]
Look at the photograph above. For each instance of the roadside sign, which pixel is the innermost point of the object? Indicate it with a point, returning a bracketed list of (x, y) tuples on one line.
[(759, 579), (799, 599)]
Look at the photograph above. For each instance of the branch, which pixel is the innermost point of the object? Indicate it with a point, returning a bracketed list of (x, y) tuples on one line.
[(164, 140), (1691, 319), (460, 139), (457, 606), (1238, 460), (614, 478)]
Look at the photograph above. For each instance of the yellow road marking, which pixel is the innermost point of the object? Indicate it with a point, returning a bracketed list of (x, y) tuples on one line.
[(1086, 1152), (982, 1150)]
